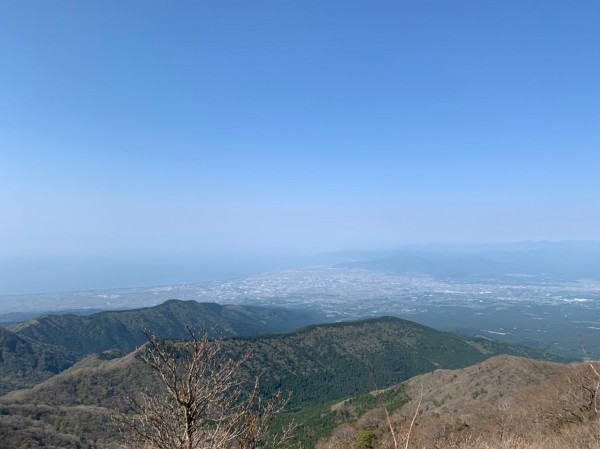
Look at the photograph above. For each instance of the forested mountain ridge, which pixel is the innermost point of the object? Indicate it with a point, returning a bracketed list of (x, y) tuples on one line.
[(123, 329), (326, 362), (317, 364), (24, 362)]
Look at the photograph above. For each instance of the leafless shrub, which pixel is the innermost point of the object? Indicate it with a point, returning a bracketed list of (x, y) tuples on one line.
[(204, 405)]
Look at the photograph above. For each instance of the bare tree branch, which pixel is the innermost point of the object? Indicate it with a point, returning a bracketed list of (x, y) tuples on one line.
[(205, 404)]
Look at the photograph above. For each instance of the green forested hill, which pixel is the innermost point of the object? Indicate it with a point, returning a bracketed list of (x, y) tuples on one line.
[(24, 362), (332, 361), (123, 329), (317, 364)]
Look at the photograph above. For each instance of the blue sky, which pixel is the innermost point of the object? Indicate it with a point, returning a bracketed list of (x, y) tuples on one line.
[(146, 127)]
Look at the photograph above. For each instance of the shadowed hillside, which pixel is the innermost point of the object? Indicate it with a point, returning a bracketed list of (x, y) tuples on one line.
[(123, 329), (24, 362)]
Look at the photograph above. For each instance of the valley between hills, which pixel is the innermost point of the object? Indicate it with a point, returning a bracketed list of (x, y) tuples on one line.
[(65, 376)]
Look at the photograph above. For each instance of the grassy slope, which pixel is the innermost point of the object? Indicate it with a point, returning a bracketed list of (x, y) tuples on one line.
[(502, 402)]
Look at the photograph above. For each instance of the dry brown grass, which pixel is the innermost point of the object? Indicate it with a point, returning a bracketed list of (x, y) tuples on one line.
[(503, 403)]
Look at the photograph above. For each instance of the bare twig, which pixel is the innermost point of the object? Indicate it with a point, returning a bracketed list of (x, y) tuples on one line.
[(383, 406), (412, 423), (204, 403), (589, 361)]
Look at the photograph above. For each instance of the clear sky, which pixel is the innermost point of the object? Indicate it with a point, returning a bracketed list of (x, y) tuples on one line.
[(151, 127)]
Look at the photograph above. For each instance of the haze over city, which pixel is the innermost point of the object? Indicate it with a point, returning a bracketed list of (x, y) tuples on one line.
[(313, 224), (141, 134)]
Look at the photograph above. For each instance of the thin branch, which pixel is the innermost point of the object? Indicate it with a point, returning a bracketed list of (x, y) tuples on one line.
[(204, 402), (385, 409), (589, 361), (412, 423)]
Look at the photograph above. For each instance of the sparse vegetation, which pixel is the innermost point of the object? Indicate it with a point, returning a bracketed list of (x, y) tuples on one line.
[(529, 405), (204, 403)]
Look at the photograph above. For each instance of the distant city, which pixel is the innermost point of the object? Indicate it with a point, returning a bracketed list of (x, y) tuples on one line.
[(541, 312)]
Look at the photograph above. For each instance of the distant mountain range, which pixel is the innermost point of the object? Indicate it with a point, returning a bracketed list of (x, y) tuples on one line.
[(446, 265), (41, 275), (565, 260)]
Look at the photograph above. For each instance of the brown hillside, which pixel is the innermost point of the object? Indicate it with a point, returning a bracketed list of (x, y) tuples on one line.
[(504, 402), (476, 390)]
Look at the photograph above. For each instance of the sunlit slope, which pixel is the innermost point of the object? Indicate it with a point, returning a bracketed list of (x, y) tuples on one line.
[(504, 401), (449, 396)]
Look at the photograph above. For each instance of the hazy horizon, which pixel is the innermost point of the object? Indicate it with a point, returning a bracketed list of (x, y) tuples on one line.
[(51, 274), (144, 129)]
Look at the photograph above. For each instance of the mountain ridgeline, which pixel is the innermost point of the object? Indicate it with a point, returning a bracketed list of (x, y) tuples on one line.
[(34, 351), (561, 260), (317, 364), (327, 362), (123, 329)]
